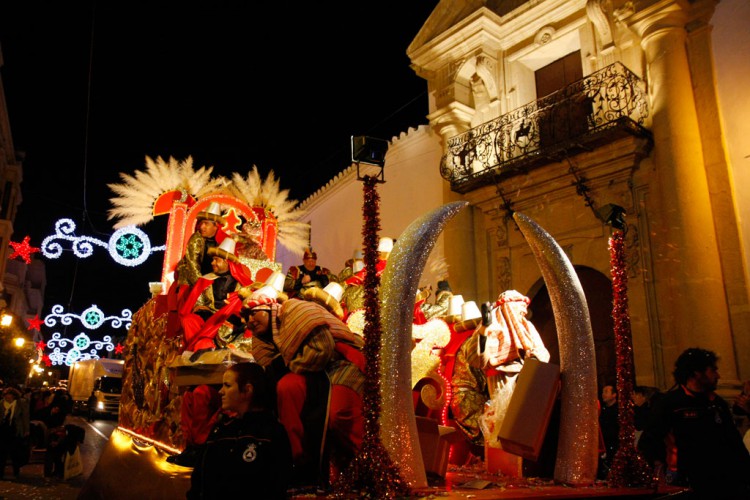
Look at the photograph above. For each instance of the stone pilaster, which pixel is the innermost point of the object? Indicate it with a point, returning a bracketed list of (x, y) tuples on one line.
[(692, 306)]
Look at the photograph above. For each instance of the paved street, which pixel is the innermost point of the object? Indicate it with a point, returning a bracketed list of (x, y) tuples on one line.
[(33, 484)]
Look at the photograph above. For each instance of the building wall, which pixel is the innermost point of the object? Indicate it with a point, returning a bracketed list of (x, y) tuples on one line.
[(687, 219), (480, 65), (335, 211), (23, 284), (730, 44)]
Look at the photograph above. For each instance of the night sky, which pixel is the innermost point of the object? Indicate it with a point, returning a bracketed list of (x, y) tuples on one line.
[(94, 88)]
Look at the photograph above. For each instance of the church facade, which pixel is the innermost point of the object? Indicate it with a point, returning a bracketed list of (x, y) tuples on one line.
[(586, 116)]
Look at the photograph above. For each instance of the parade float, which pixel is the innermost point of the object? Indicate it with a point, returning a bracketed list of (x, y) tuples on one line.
[(393, 461), (156, 374)]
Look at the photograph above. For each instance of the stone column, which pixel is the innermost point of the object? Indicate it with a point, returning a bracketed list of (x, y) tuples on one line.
[(692, 306)]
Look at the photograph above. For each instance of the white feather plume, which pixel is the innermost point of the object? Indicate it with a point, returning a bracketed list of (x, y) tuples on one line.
[(136, 195), (293, 233)]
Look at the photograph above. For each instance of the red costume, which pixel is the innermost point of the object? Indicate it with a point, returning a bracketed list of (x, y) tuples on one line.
[(199, 333)]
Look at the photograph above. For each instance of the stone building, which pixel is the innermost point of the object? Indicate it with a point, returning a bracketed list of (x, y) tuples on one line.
[(22, 287), (580, 113)]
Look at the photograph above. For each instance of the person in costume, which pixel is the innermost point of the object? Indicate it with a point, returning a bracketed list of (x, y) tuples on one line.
[(248, 240), (353, 299), (210, 319), (385, 247), (318, 366), (248, 450), (211, 307), (194, 264), (425, 311), (309, 274), (468, 382), (349, 265), (490, 359)]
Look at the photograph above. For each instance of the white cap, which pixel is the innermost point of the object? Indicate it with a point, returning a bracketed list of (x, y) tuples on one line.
[(385, 245), (334, 290), (212, 213), (228, 245), (225, 250), (268, 291), (455, 308), (276, 281), (357, 266), (470, 310)]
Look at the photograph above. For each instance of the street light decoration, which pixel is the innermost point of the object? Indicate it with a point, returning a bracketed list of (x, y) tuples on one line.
[(23, 250), (35, 323)]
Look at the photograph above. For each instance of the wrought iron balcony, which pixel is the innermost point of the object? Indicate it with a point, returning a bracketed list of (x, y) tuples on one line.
[(593, 110)]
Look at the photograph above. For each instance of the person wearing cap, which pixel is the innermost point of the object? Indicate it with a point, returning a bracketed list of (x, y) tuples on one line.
[(194, 264), (425, 311), (488, 362), (468, 382), (318, 367), (210, 319), (385, 247), (307, 275), (349, 265), (211, 306)]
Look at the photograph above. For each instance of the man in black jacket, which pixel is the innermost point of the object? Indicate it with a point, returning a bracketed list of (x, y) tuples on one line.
[(711, 457)]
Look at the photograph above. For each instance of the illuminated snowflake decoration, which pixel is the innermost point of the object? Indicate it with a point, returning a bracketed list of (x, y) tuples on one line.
[(92, 318), (128, 246), (77, 348)]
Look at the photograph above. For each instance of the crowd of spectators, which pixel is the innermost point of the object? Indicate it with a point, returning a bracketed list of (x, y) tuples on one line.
[(33, 419)]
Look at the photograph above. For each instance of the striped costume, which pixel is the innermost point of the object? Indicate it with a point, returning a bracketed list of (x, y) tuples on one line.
[(316, 360)]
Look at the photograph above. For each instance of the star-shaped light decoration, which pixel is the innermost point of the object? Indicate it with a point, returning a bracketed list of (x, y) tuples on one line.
[(46, 360), (35, 323), (119, 348), (23, 250), (41, 345), (232, 221)]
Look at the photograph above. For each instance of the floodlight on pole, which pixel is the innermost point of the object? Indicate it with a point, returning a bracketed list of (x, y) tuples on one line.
[(371, 151)]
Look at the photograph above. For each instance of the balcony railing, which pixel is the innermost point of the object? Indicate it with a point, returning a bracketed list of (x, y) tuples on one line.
[(573, 118)]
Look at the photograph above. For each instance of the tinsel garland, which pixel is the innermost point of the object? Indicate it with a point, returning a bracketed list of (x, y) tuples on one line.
[(372, 472), (629, 468)]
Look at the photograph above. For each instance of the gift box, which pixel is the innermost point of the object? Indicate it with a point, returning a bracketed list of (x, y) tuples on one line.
[(499, 460), (208, 368), (530, 408), (435, 442), (198, 375)]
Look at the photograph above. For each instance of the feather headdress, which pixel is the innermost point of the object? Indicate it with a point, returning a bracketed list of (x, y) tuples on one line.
[(138, 193), (293, 233)]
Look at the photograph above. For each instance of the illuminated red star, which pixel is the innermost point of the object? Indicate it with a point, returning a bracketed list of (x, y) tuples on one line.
[(46, 360), (41, 345), (230, 226), (23, 250), (119, 348), (35, 323)]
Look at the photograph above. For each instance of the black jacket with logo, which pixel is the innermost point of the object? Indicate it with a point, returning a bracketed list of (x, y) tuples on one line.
[(247, 456)]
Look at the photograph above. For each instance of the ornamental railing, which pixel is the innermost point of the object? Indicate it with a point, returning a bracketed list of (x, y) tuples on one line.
[(611, 100)]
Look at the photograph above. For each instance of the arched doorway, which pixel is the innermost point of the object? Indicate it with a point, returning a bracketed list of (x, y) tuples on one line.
[(598, 291)]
